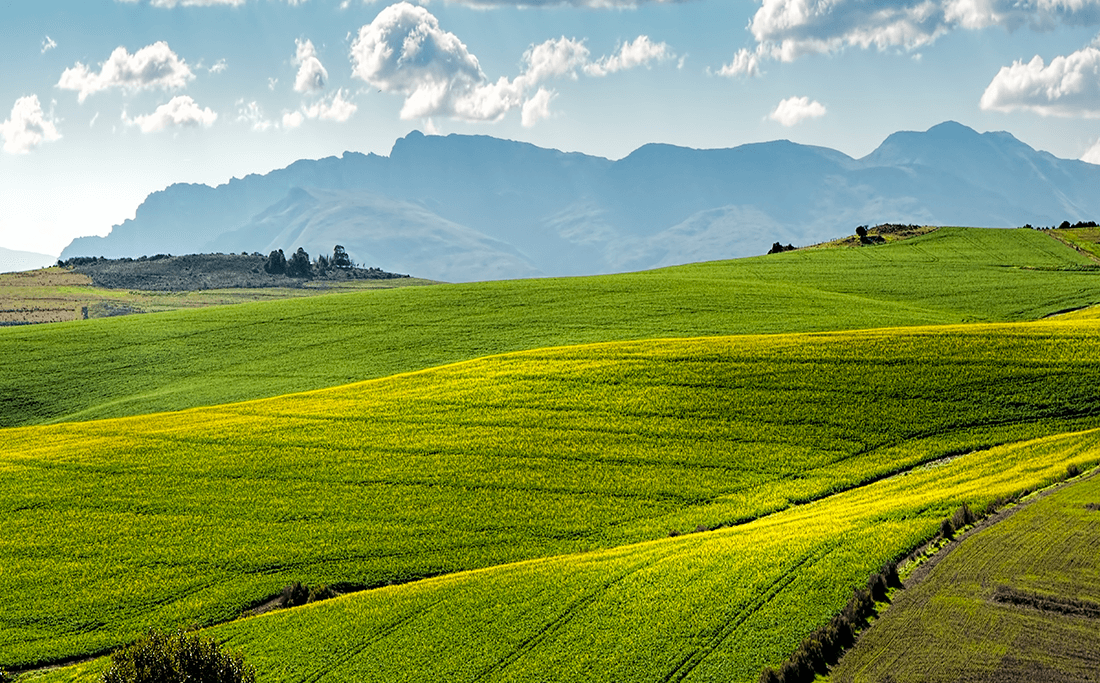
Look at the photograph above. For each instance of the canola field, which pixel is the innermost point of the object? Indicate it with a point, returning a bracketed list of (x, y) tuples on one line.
[(711, 606), (189, 518), (174, 360)]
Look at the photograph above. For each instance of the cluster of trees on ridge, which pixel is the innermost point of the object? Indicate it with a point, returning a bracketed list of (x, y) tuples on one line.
[(1065, 225)]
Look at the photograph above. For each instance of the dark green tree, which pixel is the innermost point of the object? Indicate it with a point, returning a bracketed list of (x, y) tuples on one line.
[(299, 265), (176, 658), (276, 263), (340, 258)]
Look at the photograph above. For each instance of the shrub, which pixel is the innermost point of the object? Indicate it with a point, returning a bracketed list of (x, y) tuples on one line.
[(176, 658), (294, 594), (318, 593), (276, 263), (876, 585), (298, 265), (5, 677), (946, 530), (769, 675), (1072, 471), (962, 517), (890, 574)]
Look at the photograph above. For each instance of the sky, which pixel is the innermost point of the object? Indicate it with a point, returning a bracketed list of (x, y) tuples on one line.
[(105, 101)]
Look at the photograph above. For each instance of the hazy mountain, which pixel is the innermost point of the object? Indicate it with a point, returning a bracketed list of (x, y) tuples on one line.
[(474, 207), (14, 261)]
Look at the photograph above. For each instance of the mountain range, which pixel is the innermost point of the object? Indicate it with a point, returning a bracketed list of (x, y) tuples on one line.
[(462, 208)]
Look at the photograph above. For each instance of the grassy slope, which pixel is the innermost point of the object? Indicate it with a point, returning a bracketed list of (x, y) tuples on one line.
[(715, 606), (189, 517), (169, 361), (949, 628)]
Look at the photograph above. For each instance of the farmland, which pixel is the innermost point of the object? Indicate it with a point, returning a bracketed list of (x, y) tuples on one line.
[(174, 360), (57, 295), (191, 517), (1009, 604), (661, 476), (714, 606)]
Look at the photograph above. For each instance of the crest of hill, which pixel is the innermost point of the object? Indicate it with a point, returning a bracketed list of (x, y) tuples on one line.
[(462, 208)]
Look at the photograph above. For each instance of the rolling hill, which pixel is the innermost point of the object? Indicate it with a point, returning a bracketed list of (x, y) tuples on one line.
[(170, 361), (464, 208), (517, 486)]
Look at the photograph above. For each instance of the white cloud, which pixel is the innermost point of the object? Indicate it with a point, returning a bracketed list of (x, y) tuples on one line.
[(638, 53), (744, 63), (219, 66), (1068, 86), (405, 51), (312, 75), (271, 83), (293, 119), (537, 107), (153, 66), (28, 127), (1092, 155), (788, 29), (179, 112), (335, 109), (48, 44), (794, 110), (253, 115)]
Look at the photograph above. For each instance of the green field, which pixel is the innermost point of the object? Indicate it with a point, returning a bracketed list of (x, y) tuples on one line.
[(713, 606), (191, 517), (169, 361), (516, 514), (966, 621)]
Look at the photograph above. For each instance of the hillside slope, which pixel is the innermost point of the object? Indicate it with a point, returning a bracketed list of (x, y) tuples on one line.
[(169, 361), (191, 517)]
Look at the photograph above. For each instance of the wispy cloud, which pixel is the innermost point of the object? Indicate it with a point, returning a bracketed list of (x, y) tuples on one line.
[(48, 44)]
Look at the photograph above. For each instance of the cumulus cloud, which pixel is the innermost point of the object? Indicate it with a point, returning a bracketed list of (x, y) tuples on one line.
[(1092, 155), (312, 75), (27, 127), (153, 66), (788, 29), (744, 63), (179, 112), (638, 53), (537, 107), (48, 44), (1068, 86), (794, 110), (405, 51)]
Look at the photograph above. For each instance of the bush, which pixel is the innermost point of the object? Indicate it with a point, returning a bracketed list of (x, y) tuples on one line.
[(176, 658), (318, 593), (299, 265), (1072, 471), (294, 594), (946, 530), (769, 675), (962, 517), (5, 677)]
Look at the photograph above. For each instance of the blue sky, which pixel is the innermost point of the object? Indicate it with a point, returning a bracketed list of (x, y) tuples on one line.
[(105, 101)]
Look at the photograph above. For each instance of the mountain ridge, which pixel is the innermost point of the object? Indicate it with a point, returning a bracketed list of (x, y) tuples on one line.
[(464, 207)]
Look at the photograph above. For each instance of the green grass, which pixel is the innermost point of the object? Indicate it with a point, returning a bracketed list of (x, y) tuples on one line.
[(190, 517), (950, 627), (714, 606), (169, 361)]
